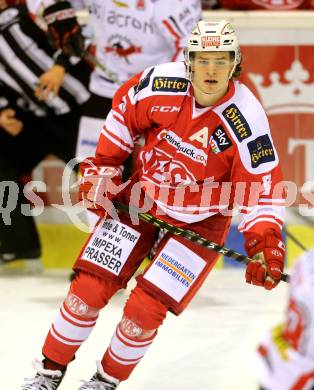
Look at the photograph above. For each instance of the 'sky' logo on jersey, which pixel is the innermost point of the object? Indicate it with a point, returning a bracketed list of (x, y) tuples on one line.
[(237, 122), (219, 141), (261, 150), (170, 84)]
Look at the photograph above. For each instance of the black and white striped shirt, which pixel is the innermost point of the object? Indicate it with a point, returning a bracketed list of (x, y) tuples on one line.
[(25, 55)]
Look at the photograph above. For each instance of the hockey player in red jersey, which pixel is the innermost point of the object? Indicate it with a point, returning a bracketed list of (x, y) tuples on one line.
[(285, 357), (208, 147)]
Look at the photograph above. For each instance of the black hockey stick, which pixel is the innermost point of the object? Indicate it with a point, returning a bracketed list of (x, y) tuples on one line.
[(94, 60), (189, 235), (295, 240)]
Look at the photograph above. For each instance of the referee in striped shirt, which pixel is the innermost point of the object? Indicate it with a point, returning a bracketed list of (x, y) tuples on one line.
[(41, 97)]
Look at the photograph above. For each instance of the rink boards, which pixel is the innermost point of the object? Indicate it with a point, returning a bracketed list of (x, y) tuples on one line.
[(62, 243)]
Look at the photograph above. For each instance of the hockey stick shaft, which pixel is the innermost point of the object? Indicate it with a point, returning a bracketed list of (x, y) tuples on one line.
[(295, 240), (94, 60), (189, 235)]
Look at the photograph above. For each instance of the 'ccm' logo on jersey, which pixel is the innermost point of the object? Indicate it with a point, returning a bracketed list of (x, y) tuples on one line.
[(261, 151), (219, 141), (237, 122), (170, 84), (165, 109)]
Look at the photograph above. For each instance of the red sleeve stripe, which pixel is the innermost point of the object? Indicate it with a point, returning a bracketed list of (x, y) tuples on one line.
[(258, 219), (118, 119), (115, 140), (121, 134), (119, 129), (266, 215), (117, 114)]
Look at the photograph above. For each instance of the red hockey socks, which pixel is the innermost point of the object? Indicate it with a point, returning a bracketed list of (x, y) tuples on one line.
[(50, 365), (66, 335), (124, 353), (143, 314), (77, 317)]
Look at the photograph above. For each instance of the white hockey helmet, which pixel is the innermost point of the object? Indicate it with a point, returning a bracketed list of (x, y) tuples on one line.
[(213, 36)]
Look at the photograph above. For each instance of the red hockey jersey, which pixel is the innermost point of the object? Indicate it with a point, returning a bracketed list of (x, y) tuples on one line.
[(196, 162)]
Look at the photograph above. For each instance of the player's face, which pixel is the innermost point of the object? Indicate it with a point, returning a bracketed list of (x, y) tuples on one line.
[(211, 71)]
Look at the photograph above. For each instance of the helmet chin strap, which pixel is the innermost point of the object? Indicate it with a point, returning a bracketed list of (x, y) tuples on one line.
[(233, 69)]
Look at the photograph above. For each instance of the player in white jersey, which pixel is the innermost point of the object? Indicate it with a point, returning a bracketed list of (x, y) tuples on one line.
[(206, 135), (129, 36), (285, 358)]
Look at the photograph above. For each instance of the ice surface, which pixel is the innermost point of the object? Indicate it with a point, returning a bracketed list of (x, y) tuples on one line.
[(208, 347)]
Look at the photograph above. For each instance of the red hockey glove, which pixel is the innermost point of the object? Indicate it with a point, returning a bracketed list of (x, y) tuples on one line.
[(64, 32), (268, 252), (99, 186)]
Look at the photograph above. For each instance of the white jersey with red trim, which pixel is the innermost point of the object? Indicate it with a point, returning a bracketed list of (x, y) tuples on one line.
[(196, 161), (131, 35), (285, 358)]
